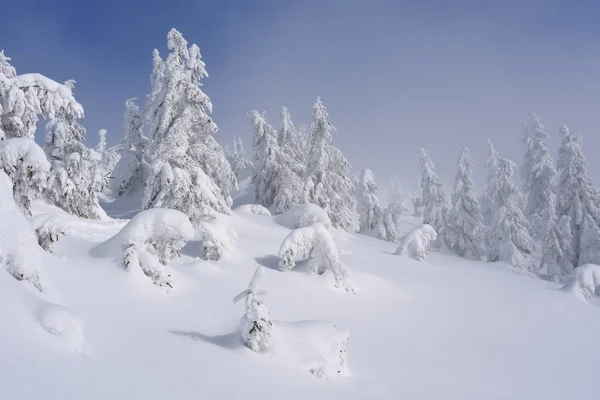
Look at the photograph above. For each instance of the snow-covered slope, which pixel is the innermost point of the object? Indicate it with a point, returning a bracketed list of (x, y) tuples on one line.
[(444, 329)]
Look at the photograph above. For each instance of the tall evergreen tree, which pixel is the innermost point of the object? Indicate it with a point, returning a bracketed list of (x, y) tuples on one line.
[(487, 205), (465, 232), (189, 171), (579, 199), (510, 240), (538, 177), (240, 164), (435, 210), (368, 205), (327, 182)]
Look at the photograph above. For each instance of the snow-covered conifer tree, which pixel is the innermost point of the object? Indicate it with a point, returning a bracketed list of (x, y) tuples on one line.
[(465, 232), (538, 177), (579, 199), (256, 324), (435, 210), (328, 183), (189, 171), (74, 181), (130, 170), (277, 186), (290, 141), (557, 249), (240, 164), (509, 240), (487, 205), (368, 206)]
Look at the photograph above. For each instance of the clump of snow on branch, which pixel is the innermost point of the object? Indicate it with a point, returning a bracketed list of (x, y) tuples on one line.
[(26, 164), (416, 243), (583, 281), (216, 238), (316, 244), (256, 209), (19, 253), (303, 215), (255, 325), (48, 229), (151, 240), (64, 323)]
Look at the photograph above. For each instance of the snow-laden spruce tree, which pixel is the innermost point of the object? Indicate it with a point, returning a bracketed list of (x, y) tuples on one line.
[(290, 141), (435, 209), (487, 205), (240, 164), (189, 171), (255, 326), (579, 199), (278, 186), (388, 226), (129, 172), (327, 182), (465, 231), (557, 249), (368, 205), (75, 179), (26, 164), (538, 177), (509, 240)]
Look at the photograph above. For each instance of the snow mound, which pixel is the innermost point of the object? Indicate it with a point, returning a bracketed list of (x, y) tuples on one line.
[(150, 240), (48, 229), (303, 215), (416, 243), (253, 209), (583, 281), (27, 165), (19, 251), (318, 347), (64, 323), (217, 239), (316, 244)]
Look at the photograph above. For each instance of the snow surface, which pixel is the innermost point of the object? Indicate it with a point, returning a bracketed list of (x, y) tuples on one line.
[(448, 329)]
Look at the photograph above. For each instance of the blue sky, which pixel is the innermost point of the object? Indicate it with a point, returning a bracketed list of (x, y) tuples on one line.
[(396, 75)]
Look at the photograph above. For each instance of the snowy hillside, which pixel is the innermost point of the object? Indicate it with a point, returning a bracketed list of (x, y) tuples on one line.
[(447, 328)]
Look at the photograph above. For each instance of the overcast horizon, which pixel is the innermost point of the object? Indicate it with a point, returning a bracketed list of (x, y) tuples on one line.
[(395, 76)]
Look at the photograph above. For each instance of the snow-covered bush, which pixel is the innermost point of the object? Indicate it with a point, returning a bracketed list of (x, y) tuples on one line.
[(26, 164), (304, 215), (255, 326), (416, 243), (216, 239), (149, 241), (316, 244), (253, 209), (19, 253), (583, 281), (64, 323), (48, 229)]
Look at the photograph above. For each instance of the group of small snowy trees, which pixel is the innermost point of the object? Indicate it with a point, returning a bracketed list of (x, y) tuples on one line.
[(549, 227), (292, 167)]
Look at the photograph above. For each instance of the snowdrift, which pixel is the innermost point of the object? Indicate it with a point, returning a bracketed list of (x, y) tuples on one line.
[(416, 243), (256, 209), (583, 281), (303, 215), (149, 241)]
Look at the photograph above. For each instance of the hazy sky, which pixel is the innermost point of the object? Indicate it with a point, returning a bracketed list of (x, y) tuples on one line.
[(395, 75)]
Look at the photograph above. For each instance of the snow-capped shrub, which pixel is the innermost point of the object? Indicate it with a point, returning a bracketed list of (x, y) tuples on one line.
[(303, 215), (255, 326), (583, 281), (26, 164), (316, 244), (216, 239), (65, 323), (253, 209), (150, 240), (19, 253), (416, 243), (48, 229)]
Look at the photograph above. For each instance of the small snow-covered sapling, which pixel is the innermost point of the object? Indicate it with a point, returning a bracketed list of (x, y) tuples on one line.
[(255, 325)]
